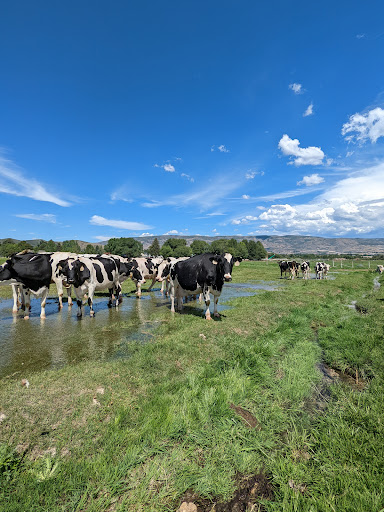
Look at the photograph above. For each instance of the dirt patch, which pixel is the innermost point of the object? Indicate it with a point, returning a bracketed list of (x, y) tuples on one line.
[(248, 418), (250, 492)]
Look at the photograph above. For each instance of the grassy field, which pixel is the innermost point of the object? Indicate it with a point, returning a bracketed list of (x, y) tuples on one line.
[(282, 398)]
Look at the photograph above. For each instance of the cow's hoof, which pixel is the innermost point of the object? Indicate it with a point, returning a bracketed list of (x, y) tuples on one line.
[(92, 314), (208, 317), (217, 315), (43, 317), (14, 311)]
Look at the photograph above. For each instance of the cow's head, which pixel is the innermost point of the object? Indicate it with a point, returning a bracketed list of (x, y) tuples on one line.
[(5, 272), (224, 264), (73, 271)]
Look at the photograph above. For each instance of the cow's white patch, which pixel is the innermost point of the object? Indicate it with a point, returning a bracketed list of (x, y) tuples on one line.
[(228, 257)]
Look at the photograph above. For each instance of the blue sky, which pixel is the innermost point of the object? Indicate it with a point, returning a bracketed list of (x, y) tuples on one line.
[(212, 118)]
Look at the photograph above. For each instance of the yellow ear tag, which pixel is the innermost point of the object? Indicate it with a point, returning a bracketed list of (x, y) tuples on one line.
[(214, 262), (237, 263), (82, 268)]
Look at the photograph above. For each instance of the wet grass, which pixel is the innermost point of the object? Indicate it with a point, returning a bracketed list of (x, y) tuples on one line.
[(203, 402)]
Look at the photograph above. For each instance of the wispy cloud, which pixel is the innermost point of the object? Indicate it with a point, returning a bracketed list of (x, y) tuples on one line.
[(102, 238), (168, 167), (188, 177), (44, 217), (220, 148), (206, 197), (14, 182), (172, 232), (310, 181), (296, 88), (363, 127), (146, 234), (120, 224), (308, 111), (311, 155), (249, 175)]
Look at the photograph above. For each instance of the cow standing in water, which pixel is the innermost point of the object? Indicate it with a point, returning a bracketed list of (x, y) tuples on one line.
[(91, 275), (203, 273), (32, 273)]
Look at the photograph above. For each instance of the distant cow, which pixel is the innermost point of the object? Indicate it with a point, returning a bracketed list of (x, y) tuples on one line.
[(380, 269), (91, 275), (283, 268), (33, 273), (288, 266), (148, 269), (319, 270), (203, 273), (305, 268), (326, 268)]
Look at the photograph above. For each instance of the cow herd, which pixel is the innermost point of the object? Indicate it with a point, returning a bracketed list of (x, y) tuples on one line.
[(293, 269), (32, 273)]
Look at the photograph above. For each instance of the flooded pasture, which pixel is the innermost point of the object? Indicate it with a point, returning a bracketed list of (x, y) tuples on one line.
[(62, 338)]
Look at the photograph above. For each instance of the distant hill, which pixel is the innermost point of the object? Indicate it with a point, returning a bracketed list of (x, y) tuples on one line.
[(289, 244)]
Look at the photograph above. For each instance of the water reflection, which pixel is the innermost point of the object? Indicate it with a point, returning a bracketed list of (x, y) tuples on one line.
[(62, 338)]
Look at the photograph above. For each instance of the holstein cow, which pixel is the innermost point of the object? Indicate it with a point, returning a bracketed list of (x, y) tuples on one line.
[(57, 278), (164, 272), (91, 275), (33, 272), (203, 273), (326, 268), (305, 268), (288, 266), (380, 269), (319, 269), (148, 268), (283, 268)]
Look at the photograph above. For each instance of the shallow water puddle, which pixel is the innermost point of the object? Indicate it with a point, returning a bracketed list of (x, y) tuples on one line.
[(62, 338)]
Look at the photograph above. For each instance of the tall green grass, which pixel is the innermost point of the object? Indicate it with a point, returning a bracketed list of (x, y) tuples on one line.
[(166, 420)]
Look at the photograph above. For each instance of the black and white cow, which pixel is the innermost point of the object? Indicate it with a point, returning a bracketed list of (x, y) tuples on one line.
[(148, 269), (164, 272), (57, 278), (305, 268), (288, 266), (326, 268), (380, 269), (32, 272), (203, 273), (319, 269), (90, 275)]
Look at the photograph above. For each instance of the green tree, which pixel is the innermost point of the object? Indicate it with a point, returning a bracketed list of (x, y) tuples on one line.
[(128, 247), (166, 251), (182, 251), (261, 252), (241, 251), (90, 249), (220, 246), (175, 242), (200, 247), (7, 249), (154, 248), (70, 246), (49, 246)]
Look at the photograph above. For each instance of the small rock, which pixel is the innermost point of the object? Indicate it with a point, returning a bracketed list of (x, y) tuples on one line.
[(2, 417), (202, 336), (24, 382), (100, 391), (187, 507)]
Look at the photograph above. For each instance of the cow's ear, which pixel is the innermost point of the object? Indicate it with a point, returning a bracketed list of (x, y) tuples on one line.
[(237, 263), (169, 260), (213, 259)]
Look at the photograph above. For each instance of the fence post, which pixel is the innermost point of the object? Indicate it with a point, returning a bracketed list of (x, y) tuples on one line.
[(341, 264), (369, 264), (352, 263)]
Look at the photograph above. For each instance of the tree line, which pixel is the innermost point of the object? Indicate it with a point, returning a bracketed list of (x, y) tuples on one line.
[(131, 248)]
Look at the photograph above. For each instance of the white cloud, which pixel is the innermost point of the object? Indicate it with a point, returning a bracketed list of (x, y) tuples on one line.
[(360, 36), (309, 181), (214, 214), (301, 156), (172, 232), (251, 174), (349, 153), (367, 126), (120, 224), (188, 177), (353, 206), (146, 234), (167, 167), (296, 88), (309, 111), (220, 148), (13, 182), (245, 220), (245, 196), (44, 217)]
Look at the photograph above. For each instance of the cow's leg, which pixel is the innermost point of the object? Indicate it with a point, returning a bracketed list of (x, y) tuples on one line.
[(172, 295), (167, 286), (138, 289), (119, 298), (79, 301), (215, 312), (111, 297), (59, 287), (15, 294), (207, 300), (27, 303), (153, 282), (91, 291), (69, 293), (43, 303)]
